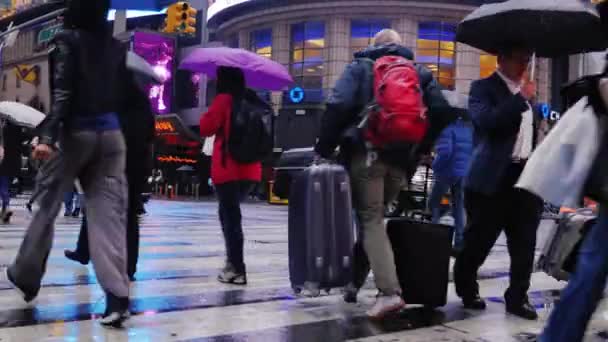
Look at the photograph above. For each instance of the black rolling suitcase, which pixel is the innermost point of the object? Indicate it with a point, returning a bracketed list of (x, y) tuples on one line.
[(321, 229), (422, 256)]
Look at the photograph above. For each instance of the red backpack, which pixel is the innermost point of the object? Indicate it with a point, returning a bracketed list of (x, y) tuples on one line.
[(398, 116)]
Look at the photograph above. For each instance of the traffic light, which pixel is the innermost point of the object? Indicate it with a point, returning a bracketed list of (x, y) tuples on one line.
[(181, 18)]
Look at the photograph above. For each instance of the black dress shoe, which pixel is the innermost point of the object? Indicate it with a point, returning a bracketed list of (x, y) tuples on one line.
[(474, 303), (75, 256), (525, 311), (28, 296)]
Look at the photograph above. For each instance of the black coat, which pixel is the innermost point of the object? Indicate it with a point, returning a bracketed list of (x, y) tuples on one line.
[(13, 138), (88, 77)]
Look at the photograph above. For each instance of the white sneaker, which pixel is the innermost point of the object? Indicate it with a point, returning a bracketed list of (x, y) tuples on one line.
[(386, 305)]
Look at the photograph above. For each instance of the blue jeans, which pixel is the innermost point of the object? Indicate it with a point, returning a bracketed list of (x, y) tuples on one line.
[(5, 183), (72, 200), (440, 188), (580, 298)]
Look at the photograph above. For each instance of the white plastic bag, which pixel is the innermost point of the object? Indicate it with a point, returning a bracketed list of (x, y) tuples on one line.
[(208, 146), (558, 168)]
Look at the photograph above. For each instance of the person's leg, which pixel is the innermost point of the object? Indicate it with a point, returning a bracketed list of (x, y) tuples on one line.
[(81, 253), (29, 266), (368, 187), (133, 228), (229, 196), (440, 188), (78, 202), (458, 213), (483, 230), (68, 202), (105, 188), (4, 192), (521, 227), (580, 298)]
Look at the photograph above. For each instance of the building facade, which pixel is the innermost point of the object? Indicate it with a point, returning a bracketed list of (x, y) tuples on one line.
[(316, 39)]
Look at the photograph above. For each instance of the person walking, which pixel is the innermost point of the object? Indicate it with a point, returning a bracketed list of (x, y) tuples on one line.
[(504, 131), (579, 300), (138, 128), (379, 182), (233, 181), (10, 166), (453, 154), (85, 59)]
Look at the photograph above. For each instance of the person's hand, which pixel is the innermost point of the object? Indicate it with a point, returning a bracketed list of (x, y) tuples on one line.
[(528, 89), (42, 152)]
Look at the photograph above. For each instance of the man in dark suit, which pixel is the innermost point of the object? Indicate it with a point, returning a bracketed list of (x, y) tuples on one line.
[(504, 138)]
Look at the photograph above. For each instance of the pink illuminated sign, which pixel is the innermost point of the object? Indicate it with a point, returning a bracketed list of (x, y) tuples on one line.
[(159, 51)]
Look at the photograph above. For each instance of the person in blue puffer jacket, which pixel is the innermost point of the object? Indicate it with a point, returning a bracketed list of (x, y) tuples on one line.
[(453, 153)]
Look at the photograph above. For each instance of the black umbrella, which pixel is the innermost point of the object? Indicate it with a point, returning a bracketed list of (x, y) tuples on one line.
[(550, 28)]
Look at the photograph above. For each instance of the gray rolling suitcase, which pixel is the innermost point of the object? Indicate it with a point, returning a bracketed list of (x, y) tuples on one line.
[(559, 255), (321, 229)]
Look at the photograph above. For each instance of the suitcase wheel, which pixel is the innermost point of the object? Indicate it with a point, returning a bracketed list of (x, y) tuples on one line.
[(311, 290), (296, 290)]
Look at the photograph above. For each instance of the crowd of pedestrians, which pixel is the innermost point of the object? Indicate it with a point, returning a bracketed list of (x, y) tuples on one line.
[(479, 154)]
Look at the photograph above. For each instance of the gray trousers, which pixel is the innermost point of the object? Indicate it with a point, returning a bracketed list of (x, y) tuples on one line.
[(372, 187), (98, 160)]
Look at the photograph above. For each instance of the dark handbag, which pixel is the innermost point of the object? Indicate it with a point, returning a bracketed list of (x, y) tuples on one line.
[(572, 92), (597, 183)]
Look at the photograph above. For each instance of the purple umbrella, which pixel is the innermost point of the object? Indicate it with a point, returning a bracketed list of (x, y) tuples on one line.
[(260, 72)]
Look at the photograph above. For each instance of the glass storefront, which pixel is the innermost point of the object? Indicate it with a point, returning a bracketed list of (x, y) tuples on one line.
[(436, 49), (260, 42), (307, 62), (487, 65), (362, 32)]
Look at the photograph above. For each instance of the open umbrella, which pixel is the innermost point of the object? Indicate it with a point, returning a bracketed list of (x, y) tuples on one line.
[(20, 114), (550, 28), (260, 72)]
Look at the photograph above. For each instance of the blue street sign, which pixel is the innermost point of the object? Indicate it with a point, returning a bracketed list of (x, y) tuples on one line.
[(545, 110), (296, 95), (153, 5)]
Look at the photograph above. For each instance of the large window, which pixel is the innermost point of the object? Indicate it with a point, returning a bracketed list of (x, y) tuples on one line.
[(487, 65), (362, 32), (307, 43), (260, 42), (436, 50)]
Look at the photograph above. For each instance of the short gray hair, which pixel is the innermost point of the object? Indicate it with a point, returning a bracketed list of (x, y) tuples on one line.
[(386, 37)]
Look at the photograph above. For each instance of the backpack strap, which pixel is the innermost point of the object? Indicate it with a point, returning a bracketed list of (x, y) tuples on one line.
[(366, 87)]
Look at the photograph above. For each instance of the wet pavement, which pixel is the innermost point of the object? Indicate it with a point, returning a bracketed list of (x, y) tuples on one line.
[(176, 296)]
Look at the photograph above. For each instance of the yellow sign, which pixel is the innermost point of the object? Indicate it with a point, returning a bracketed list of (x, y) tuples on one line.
[(27, 73), (164, 127)]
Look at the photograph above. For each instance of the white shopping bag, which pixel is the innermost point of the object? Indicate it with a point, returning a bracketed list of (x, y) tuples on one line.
[(208, 146), (559, 167)]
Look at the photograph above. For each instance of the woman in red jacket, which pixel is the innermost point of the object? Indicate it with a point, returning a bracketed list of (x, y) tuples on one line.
[(232, 180)]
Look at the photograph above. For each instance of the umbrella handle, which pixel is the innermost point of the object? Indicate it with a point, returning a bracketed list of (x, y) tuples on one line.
[(533, 67)]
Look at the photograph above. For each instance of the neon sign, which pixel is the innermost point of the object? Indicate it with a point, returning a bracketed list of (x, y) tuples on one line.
[(164, 127), (296, 95), (174, 159)]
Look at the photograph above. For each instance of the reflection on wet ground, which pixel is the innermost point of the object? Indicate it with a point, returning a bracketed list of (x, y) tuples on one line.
[(176, 296)]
